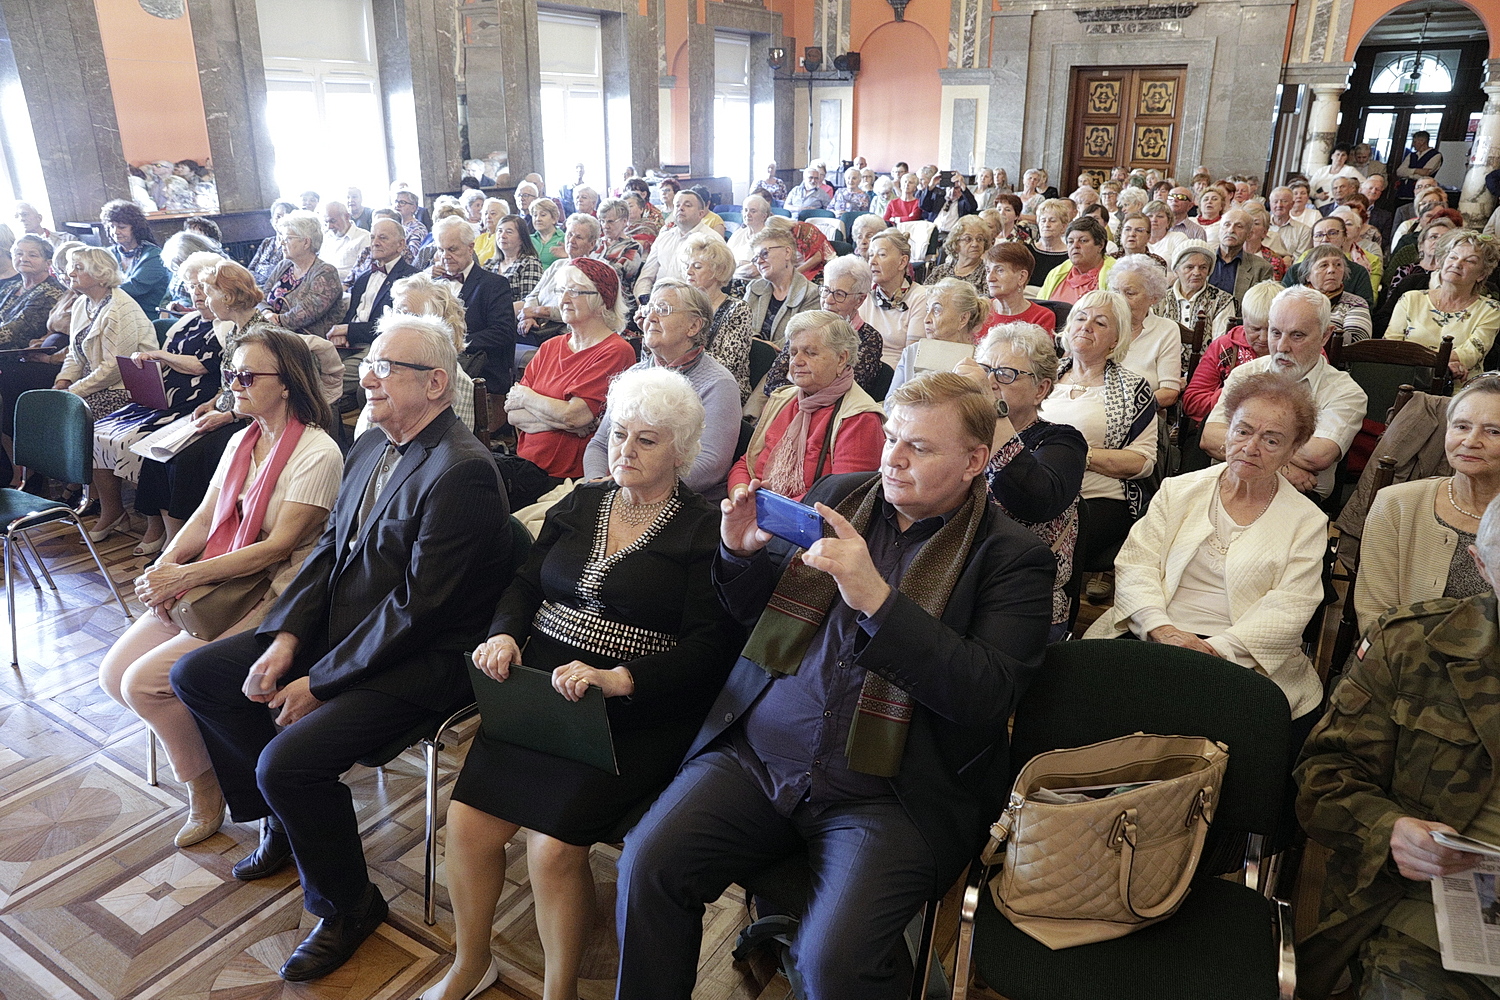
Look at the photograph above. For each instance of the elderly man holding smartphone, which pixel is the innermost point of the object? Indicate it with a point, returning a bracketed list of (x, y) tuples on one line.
[(865, 721)]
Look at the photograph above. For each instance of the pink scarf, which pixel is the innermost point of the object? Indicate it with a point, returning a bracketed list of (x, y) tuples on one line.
[(786, 467), (230, 531)]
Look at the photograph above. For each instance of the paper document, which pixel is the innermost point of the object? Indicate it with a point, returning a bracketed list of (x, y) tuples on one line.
[(164, 444), (1468, 917), (940, 355)]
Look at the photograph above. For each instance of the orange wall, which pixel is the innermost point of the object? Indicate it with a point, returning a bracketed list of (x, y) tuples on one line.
[(898, 96), (1367, 12), (153, 72)]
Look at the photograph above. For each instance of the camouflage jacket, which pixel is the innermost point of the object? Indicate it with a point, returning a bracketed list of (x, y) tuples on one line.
[(1413, 730)]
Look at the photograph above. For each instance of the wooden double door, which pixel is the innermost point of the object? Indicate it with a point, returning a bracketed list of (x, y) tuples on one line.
[(1122, 116)]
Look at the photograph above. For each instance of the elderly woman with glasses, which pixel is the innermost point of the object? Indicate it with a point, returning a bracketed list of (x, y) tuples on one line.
[(1326, 269), (956, 314), (615, 246), (190, 365), (755, 211), (559, 398), (1456, 305), (846, 286), (1036, 467), (822, 423), (781, 291), (264, 508), (304, 294), (106, 324), (708, 264), (896, 305), (673, 337), (965, 246)]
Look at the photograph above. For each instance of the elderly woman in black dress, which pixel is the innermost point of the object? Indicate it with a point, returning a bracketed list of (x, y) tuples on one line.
[(616, 594)]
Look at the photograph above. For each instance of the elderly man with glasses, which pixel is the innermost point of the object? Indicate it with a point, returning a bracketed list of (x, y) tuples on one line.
[(368, 640)]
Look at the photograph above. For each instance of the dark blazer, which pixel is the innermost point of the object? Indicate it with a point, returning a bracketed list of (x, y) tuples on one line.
[(491, 318), (966, 673), (1252, 271), (400, 610), (364, 333)]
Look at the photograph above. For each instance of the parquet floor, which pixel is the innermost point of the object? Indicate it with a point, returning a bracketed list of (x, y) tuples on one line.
[(97, 904)]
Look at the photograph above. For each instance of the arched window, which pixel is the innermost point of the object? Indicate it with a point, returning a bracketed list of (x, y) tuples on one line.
[(1411, 73)]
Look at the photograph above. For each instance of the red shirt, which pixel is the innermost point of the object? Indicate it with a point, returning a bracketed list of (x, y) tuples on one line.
[(557, 372), (903, 211), (1038, 314), (857, 448), (1221, 357)]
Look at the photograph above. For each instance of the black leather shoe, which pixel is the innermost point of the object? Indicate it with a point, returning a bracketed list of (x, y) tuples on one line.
[(334, 940), (269, 856)]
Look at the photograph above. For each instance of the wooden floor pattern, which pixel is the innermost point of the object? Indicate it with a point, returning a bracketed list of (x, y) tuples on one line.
[(97, 904)]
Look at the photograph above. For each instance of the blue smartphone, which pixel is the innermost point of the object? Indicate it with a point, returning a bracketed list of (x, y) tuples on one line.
[(787, 519)]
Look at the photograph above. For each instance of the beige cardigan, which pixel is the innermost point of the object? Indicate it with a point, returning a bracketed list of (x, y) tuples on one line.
[(1274, 571), (1405, 551), (120, 331)]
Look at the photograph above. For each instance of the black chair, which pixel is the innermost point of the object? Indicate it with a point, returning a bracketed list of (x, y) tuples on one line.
[(429, 735), (882, 386), (1227, 941), (747, 431), (814, 213), (1060, 312), (1343, 643), (54, 438), (762, 357), (163, 327), (842, 247)]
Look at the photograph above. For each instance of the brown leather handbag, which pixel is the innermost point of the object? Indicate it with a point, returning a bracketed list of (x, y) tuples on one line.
[(1102, 840), (209, 611)]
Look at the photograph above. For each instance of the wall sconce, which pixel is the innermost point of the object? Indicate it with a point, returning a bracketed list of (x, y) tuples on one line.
[(776, 57), (812, 58)]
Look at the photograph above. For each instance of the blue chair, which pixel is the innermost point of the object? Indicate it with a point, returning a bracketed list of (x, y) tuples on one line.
[(814, 213), (778, 210), (163, 327), (54, 437), (731, 216)]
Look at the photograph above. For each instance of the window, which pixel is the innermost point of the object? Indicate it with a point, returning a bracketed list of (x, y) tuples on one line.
[(323, 98), (1414, 73), (572, 99), (732, 129)]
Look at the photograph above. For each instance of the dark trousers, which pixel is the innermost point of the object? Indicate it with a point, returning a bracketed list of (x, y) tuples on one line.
[(713, 826), (1107, 523), (179, 486), (292, 773)]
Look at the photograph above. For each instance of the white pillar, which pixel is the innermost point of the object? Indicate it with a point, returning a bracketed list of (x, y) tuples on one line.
[(1474, 201), (1323, 126)]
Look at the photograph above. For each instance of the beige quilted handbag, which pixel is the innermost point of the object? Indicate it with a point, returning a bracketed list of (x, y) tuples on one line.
[(1120, 855)]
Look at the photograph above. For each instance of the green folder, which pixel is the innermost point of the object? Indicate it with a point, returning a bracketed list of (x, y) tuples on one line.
[(527, 711)]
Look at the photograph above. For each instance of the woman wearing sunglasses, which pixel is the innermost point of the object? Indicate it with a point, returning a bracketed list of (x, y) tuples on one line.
[(1036, 468), (265, 507)]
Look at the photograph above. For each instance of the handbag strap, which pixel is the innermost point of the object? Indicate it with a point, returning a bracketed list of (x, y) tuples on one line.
[(1199, 816)]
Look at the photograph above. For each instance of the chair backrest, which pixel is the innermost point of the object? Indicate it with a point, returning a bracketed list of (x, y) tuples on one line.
[(1060, 312), (778, 210), (734, 217), (808, 214), (55, 435), (163, 327), (520, 545), (1381, 367), (762, 356), (842, 247), (1403, 396), (481, 412), (1097, 689), (747, 431), (882, 385), (829, 226), (920, 233), (1343, 643), (848, 220)]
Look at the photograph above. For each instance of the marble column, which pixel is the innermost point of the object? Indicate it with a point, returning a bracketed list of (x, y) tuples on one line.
[(59, 65), (1010, 62), (1323, 125), (1474, 200), (415, 42), (231, 74)]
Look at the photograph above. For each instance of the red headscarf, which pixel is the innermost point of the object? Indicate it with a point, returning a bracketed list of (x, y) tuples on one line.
[(602, 275)]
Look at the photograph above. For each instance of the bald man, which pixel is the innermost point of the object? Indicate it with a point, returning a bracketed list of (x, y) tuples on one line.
[(1235, 271), (369, 297)]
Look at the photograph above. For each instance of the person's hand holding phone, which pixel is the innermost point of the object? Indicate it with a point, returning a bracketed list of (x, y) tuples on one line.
[(738, 529), (846, 558)]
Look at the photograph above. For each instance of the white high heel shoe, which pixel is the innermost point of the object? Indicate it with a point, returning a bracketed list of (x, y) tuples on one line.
[(100, 532)]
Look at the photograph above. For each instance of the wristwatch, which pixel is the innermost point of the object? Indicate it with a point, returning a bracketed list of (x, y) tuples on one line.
[(1002, 408)]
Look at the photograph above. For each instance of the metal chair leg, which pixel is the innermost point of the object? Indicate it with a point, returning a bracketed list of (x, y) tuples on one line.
[(150, 756), (40, 562), (429, 883), (108, 581), (963, 960), (10, 602), (922, 967), (26, 564)]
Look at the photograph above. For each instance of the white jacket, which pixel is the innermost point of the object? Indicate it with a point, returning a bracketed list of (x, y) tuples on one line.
[(1274, 571)]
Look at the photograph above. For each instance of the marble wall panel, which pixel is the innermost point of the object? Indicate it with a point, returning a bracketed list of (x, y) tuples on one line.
[(226, 38)]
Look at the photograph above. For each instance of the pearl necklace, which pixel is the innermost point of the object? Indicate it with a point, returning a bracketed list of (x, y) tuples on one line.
[(637, 514), (1452, 499), (1217, 501)]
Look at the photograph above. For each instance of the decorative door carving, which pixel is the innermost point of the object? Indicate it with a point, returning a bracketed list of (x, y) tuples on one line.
[(1122, 116)]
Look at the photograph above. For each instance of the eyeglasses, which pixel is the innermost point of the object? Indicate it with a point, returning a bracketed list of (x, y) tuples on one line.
[(657, 309), (834, 294), (244, 377), (765, 253), (1004, 374), (570, 292), (1179, 197), (382, 367)]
